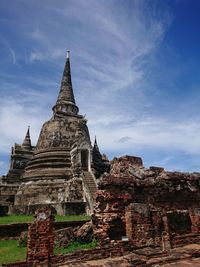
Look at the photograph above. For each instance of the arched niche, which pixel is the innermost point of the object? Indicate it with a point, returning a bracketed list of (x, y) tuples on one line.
[(85, 156), (84, 159)]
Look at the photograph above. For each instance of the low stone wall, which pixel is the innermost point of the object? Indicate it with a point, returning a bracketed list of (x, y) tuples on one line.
[(82, 255), (7, 197), (17, 264), (179, 241), (146, 257), (113, 250), (8, 231), (3, 209)]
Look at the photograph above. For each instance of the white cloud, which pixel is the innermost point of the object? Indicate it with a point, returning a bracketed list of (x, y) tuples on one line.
[(10, 51), (17, 113), (13, 56), (36, 56), (154, 133)]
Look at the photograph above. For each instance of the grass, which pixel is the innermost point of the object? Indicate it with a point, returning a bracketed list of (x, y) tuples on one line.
[(10, 252), (29, 218), (75, 246), (69, 218)]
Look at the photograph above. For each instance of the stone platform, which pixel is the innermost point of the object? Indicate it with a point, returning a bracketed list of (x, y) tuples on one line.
[(185, 256)]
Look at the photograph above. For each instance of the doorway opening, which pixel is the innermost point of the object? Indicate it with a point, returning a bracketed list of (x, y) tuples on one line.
[(84, 159), (117, 229), (179, 222)]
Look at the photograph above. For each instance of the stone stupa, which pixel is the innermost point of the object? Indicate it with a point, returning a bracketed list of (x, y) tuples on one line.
[(59, 172)]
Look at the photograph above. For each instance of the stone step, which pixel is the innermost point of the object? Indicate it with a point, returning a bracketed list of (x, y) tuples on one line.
[(64, 158), (47, 154), (89, 181), (48, 165)]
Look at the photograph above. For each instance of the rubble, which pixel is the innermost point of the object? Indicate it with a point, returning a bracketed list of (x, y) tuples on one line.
[(64, 237), (85, 233)]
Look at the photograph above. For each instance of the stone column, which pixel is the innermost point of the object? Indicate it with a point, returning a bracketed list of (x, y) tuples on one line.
[(41, 239), (129, 223), (195, 220), (166, 238)]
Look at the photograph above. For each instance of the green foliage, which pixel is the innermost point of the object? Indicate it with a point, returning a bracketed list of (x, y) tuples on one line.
[(29, 218), (10, 252), (75, 246)]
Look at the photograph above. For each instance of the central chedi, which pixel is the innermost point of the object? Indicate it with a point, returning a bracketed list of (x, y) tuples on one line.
[(59, 173)]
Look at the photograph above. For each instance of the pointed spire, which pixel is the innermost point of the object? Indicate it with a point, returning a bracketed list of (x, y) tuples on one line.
[(27, 140), (95, 142), (96, 155), (95, 151), (66, 90), (66, 101)]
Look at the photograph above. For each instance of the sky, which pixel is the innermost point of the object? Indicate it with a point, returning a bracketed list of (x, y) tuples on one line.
[(135, 70)]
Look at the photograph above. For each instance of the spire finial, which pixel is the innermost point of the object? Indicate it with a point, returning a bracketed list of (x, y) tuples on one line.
[(65, 103)]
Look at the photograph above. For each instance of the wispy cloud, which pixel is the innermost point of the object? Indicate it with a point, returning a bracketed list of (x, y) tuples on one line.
[(13, 56), (114, 47), (9, 50), (155, 133)]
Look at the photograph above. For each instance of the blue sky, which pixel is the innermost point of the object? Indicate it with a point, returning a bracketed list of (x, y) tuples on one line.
[(135, 70)]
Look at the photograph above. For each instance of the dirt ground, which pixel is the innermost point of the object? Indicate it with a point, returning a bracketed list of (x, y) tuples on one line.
[(184, 263), (181, 257)]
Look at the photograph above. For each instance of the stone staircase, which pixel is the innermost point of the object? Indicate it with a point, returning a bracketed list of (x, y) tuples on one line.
[(90, 182)]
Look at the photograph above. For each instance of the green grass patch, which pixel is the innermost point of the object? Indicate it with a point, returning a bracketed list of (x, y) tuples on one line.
[(29, 218), (10, 252), (71, 218), (15, 219), (74, 246)]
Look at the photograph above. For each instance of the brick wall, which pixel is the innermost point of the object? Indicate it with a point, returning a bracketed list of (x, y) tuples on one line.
[(40, 241), (165, 205)]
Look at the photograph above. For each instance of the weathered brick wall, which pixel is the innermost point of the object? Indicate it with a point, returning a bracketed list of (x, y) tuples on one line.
[(195, 219), (41, 239), (171, 201), (138, 224)]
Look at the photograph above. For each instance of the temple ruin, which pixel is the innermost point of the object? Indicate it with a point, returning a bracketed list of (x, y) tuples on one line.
[(147, 212), (60, 170)]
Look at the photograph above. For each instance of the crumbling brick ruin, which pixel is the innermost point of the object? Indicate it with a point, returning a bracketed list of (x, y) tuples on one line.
[(149, 207), (40, 243)]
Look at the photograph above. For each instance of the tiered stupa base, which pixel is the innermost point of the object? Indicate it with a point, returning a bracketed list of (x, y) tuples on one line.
[(64, 196)]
